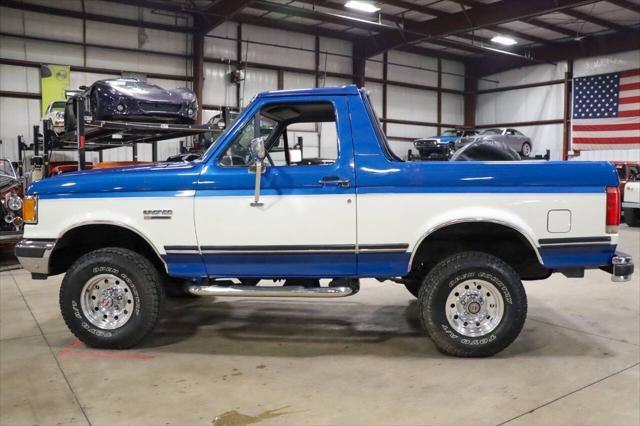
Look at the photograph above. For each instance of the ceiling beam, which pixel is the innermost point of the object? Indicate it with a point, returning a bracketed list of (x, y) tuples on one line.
[(625, 4), (350, 22), (31, 7), (475, 18), (572, 49), (224, 9), (593, 19), (534, 22)]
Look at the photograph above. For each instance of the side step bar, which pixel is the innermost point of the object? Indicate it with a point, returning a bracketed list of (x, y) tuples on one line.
[(286, 291)]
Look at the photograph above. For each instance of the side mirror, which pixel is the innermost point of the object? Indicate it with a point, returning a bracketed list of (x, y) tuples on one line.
[(83, 87), (257, 151)]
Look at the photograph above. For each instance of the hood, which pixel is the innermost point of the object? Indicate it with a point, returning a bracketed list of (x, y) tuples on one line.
[(163, 177), (7, 182)]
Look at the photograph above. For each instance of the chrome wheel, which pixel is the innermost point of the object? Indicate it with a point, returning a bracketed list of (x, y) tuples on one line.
[(107, 302), (526, 149), (474, 308)]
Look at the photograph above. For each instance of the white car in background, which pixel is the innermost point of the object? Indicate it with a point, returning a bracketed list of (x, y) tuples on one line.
[(511, 137), (55, 113), (631, 203)]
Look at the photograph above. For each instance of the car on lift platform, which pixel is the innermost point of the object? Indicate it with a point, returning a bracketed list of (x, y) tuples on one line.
[(130, 99)]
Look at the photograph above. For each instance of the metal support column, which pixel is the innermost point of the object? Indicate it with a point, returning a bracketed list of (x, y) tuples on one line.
[(21, 147), (36, 148), (134, 151), (79, 101), (385, 73), (47, 136), (439, 115), (566, 128), (154, 151)]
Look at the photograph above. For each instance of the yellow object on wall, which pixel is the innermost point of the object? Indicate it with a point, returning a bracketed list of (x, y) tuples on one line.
[(54, 80)]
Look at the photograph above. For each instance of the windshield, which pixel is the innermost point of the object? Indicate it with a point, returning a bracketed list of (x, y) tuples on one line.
[(57, 106), (450, 133), (6, 169), (492, 132)]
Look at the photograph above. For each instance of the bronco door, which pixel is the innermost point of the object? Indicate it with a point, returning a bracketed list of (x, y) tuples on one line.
[(305, 222)]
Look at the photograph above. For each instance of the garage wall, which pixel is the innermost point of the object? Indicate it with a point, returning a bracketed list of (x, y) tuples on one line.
[(547, 102), (604, 64), (412, 96), (18, 115), (526, 105)]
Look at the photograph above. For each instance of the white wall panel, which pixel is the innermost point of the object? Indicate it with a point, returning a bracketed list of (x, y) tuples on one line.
[(409, 131), (17, 117), (334, 63), (401, 148), (136, 62), (218, 90), (278, 55), (536, 103), (375, 94), (220, 48), (374, 67), (38, 51), (452, 109), (40, 25), (335, 82), (453, 75), (257, 81), (524, 75), (412, 104), (412, 75), (604, 64), (19, 79), (298, 81), (127, 36)]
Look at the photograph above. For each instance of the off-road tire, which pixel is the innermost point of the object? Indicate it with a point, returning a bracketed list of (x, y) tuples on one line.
[(454, 270), (632, 217), (146, 288)]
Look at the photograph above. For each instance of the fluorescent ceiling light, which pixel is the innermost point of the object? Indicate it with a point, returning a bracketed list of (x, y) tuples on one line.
[(362, 6), (506, 41)]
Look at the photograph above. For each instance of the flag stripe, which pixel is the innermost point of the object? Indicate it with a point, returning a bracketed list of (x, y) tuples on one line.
[(630, 73), (630, 100), (613, 134), (634, 79), (604, 127), (630, 113), (629, 93), (608, 141), (630, 86)]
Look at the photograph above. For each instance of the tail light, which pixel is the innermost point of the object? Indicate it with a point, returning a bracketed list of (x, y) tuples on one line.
[(613, 209)]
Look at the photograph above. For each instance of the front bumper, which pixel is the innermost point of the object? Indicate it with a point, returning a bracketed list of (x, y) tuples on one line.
[(33, 255), (621, 267)]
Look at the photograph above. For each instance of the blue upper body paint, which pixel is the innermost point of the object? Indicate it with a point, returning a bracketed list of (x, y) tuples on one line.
[(363, 159)]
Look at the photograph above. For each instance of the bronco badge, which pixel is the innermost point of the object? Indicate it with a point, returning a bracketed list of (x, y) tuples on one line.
[(157, 214)]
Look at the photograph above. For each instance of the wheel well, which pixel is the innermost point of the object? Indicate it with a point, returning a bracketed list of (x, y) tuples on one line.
[(498, 240), (83, 239)]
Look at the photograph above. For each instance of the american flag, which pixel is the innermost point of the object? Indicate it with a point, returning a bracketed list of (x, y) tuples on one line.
[(606, 111)]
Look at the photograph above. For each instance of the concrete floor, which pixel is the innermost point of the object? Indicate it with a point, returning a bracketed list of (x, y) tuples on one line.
[(360, 360)]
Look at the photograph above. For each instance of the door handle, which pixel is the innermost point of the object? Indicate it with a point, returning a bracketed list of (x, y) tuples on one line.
[(334, 180)]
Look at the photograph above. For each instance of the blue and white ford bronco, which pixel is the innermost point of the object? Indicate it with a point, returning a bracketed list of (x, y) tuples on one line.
[(304, 187)]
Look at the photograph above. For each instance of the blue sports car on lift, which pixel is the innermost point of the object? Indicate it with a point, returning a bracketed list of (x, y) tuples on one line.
[(131, 99), (441, 147)]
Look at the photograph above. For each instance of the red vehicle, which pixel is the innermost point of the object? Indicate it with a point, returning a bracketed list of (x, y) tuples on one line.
[(11, 193)]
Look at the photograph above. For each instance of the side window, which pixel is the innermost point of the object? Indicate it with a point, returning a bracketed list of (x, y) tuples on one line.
[(237, 154), (297, 134)]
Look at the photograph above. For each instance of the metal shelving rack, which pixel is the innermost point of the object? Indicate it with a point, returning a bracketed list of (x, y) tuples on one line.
[(97, 136)]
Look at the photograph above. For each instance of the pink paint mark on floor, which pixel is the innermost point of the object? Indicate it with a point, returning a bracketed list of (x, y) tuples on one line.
[(71, 350)]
